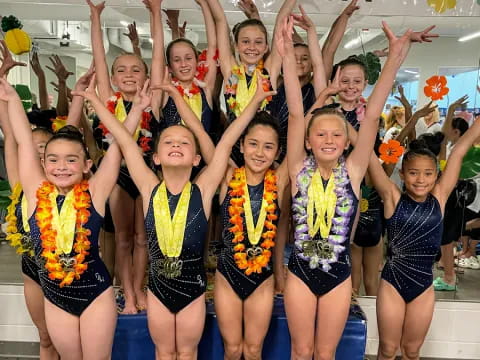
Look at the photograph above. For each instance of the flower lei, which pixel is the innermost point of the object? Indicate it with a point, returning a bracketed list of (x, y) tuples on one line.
[(323, 251), (20, 241), (240, 92), (252, 260), (116, 107), (191, 96), (59, 268)]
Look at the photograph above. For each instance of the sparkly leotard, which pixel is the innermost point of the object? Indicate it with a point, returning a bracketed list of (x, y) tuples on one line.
[(77, 296), (176, 293), (370, 223), (414, 233), (321, 282), (243, 285), (172, 117)]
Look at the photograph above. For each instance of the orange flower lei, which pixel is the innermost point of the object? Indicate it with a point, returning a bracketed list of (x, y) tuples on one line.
[(237, 185), (48, 235)]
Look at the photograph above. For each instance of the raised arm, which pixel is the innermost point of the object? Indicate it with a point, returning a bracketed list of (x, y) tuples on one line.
[(42, 83), (211, 45), (76, 107), (449, 177), (7, 60), (319, 81), (209, 180), (10, 146), (409, 128), (335, 36), (172, 22), (405, 103), (62, 75), (227, 60), (30, 171), (447, 125), (101, 69), (158, 51), (358, 161), (249, 8), (134, 40)]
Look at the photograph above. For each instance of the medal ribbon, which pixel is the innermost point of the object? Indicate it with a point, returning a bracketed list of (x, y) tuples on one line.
[(195, 103), (26, 225), (121, 115), (325, 201), (170, 232), (63, 222)]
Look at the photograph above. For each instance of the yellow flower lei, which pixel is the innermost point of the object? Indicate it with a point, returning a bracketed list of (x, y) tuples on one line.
[(50, 234), (239, 203), (14, 237)]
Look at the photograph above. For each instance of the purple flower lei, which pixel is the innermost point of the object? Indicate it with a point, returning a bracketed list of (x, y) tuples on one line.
[(322, 251)]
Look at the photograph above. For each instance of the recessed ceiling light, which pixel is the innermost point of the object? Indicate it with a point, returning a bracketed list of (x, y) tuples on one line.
[(124, 23), (411, 72), (469, 37)]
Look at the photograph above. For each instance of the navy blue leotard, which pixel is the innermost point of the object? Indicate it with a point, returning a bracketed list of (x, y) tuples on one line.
[(77, 296), (172, 117), (179, 292), (370, 223), (29, 266), (414, 234), (321, 282), (243, 285)]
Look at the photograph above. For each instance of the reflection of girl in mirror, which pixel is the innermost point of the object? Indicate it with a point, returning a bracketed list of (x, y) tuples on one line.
[(394, 123), (129, 71), (414, 223), (428, 124), (326, 188)]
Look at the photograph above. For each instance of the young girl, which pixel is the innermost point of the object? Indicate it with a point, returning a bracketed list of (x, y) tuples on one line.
[(18, 231), (414, 223), (177, 281), (79, 300), (326, 189), (194, 79), (128, 72)]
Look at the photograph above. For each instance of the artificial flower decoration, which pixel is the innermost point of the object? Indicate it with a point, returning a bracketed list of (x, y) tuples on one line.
[(17, 40), (441, 5), (436, 87), (391, 151), (58, 123)]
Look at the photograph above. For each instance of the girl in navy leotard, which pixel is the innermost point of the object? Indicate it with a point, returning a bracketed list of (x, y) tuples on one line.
[(326, 189), (177, 281), (79, 300), (414, 221)]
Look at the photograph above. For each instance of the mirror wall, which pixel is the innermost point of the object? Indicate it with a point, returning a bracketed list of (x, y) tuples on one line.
[(47, 21)]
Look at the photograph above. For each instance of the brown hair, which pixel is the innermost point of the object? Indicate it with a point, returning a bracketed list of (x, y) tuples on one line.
[(246, 23), (176, 41), (130, 54)]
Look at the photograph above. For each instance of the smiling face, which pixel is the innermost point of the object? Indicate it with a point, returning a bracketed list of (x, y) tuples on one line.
[(65, 163), (260, 148), (304, 63), (176, 148), (353, 82), (327, 137), (419, 174), (182, 61), (251, 44), (128, 73)]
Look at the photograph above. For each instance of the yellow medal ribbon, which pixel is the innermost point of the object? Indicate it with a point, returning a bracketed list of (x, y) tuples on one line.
[(121, 115), (26, 226), (195, 103), (254, 231), (170, 232), (64, 222), (325, 201)]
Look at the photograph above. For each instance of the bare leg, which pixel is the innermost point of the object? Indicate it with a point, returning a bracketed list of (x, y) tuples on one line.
[(97, 327), (257, 310), (64, 330), (390, 319), (161, 325), (448, 264), (301, 307), (139, 256), (332, 309), (36, 307), (229, 310), (372, 258), (356, 253), (123, 209), (189, 324), (419, 314)]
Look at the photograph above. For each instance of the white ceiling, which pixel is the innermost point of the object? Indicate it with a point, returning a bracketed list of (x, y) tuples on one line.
[(44, 19)]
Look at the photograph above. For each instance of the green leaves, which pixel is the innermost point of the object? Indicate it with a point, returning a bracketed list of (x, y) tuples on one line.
[(372, 63), (10, 22), (25, 95)]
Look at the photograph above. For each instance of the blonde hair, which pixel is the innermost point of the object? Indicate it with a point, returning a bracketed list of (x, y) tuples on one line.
[(391, 118)]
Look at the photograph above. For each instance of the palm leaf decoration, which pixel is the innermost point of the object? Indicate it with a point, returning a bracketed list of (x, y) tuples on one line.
[(4, 194), (372, 63), (471, 163)]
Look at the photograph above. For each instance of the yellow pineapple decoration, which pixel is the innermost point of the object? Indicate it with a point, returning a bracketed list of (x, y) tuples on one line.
[(17, 40)]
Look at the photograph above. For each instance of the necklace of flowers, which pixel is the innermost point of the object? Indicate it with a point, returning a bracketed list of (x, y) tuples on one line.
[(240, 92), (252, 259), (17, 239), (116, 106), (324, 251), (59, 264), (191, 96)]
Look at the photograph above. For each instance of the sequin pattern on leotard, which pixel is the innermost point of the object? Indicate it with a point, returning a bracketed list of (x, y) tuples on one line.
[(77, 296), (414, 233), (243, 285), (176, 293)]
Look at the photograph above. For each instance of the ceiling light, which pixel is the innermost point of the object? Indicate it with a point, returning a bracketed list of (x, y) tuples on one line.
[(469, 37), (124, 23), (411, 72), (353, 43)]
